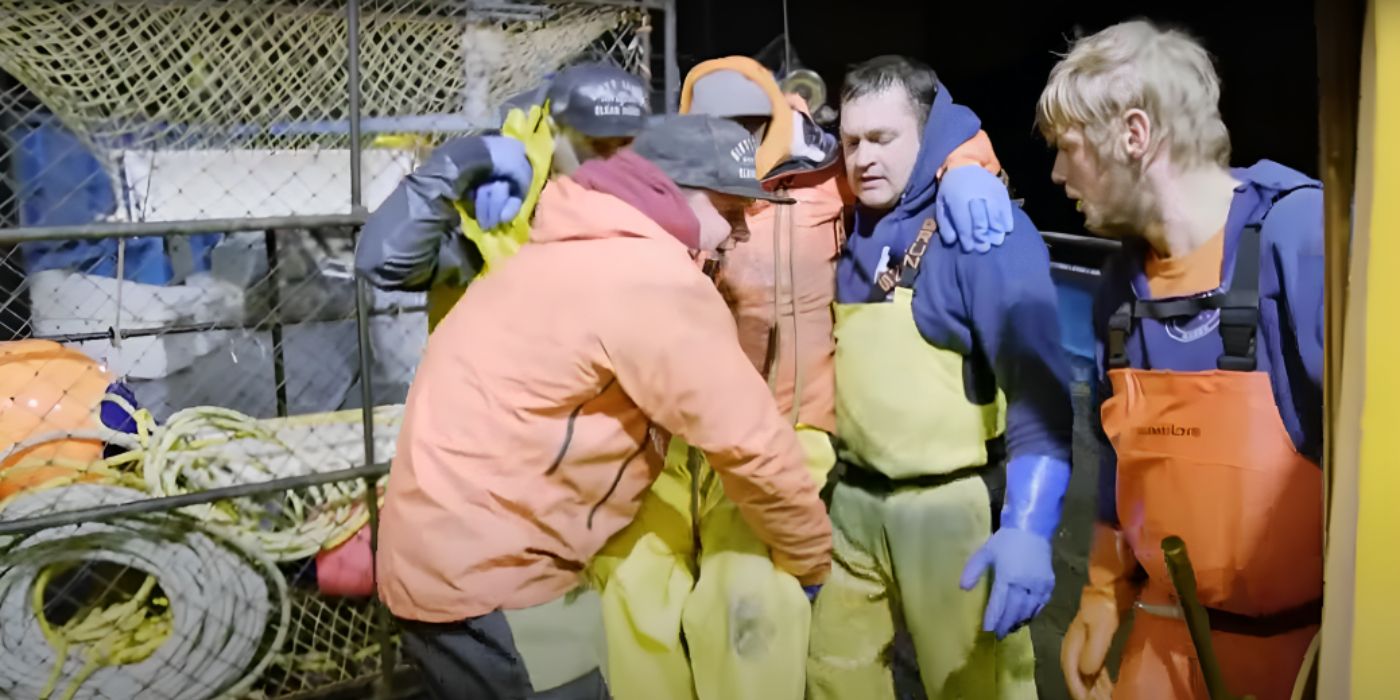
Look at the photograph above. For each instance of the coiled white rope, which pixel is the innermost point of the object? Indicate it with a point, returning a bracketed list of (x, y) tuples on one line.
[(223, 601)]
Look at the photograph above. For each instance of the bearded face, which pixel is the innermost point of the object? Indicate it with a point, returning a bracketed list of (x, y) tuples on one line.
[(1110, 192)]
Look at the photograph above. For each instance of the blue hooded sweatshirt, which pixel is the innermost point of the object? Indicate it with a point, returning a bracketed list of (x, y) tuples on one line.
[(1288, 205), (998, 309)]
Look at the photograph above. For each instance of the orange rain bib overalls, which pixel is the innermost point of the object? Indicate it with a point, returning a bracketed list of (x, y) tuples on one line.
[(1205, 456)]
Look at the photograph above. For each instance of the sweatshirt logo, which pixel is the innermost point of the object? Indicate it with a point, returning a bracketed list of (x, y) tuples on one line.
[(1189, 330), (1169, 430)]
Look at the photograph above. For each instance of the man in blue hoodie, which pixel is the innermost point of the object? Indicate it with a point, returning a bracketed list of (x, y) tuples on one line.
[(953, 415)]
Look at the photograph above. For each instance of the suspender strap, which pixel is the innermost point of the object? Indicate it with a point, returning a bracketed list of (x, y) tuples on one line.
[(1178, 308), (1239, 312), (1120, 324), (1239, 317), (904, 274)]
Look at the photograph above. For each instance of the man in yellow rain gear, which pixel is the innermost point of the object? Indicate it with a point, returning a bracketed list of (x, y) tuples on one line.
[(952, 405), (425, 236)]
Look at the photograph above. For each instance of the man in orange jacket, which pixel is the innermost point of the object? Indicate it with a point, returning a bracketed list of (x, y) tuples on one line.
[(523, 444)]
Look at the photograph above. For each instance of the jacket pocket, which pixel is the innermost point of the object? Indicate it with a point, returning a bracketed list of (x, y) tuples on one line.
[(569, 429), (617, 478)]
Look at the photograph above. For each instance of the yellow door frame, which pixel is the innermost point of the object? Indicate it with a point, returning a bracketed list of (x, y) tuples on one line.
[(1361, 621)]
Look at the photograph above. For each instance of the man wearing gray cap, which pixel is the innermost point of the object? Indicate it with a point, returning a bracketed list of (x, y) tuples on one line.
[(414, 241), (724, 622), (530, 431)]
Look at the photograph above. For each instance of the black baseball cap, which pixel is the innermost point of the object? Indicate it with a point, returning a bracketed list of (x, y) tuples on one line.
[(704, 152), (598, 99)]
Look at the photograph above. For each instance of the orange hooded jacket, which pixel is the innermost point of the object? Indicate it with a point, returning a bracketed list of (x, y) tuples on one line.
[(524, 442), (781, 283)]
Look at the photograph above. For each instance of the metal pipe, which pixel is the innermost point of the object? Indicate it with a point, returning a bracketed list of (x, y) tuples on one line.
[(644, 37), (1197, 621), (673, 69), (279, 359), (1077, 269), (25, 526), (352, 20), (1074, 239), (303, 8), (261, 326), (651, 4), (362, 303), (384, 688), (24, 234)]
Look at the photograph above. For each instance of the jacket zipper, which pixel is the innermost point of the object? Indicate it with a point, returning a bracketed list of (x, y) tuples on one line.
[(790, 230), (617, 479), (569, 428), (776, 332), (783, 229)]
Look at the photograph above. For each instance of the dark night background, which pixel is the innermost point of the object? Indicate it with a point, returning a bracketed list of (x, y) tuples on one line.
[(995, 55)]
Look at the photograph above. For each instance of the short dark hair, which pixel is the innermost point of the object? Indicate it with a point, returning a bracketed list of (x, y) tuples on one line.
[(881, 73)]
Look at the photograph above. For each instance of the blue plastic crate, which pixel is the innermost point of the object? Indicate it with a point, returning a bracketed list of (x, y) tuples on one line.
[(1076, 295)]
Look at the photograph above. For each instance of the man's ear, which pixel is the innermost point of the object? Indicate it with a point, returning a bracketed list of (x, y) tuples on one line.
[(1137, 134)]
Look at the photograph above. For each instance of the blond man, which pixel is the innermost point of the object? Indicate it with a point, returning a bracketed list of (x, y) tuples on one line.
[(1209, 328)]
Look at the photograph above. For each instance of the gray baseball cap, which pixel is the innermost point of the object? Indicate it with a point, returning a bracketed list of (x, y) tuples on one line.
[(729, 93), (704, 152)]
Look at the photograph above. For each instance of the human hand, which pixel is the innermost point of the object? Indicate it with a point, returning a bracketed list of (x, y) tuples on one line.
[(1085, 647), (499, 199), (973, 209), (1022, 578)]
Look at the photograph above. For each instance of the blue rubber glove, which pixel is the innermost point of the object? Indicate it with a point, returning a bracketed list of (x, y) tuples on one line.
[(812, 592), (498, 199), (973, 209), (1019, 552)]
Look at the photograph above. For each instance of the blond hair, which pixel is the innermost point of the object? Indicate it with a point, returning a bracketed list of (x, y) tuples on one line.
[(1136, 65)]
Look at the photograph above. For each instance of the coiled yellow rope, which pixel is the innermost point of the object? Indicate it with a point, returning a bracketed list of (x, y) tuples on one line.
[(198, 448)]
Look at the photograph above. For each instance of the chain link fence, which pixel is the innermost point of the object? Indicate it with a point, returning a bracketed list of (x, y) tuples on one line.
[(198, 398)]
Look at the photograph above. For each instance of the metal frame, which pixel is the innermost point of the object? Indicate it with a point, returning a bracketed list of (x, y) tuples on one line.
[(357, 214), (274, 227)]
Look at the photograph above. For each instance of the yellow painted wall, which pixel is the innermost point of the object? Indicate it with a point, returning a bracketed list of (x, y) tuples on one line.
[(1361, 632)]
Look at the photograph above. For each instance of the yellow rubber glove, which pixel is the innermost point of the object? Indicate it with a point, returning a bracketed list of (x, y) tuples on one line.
[(1106, 598), (500, 243)]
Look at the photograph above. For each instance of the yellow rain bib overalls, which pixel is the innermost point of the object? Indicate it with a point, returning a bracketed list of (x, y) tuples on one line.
[(912, 506), (737, 618)]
